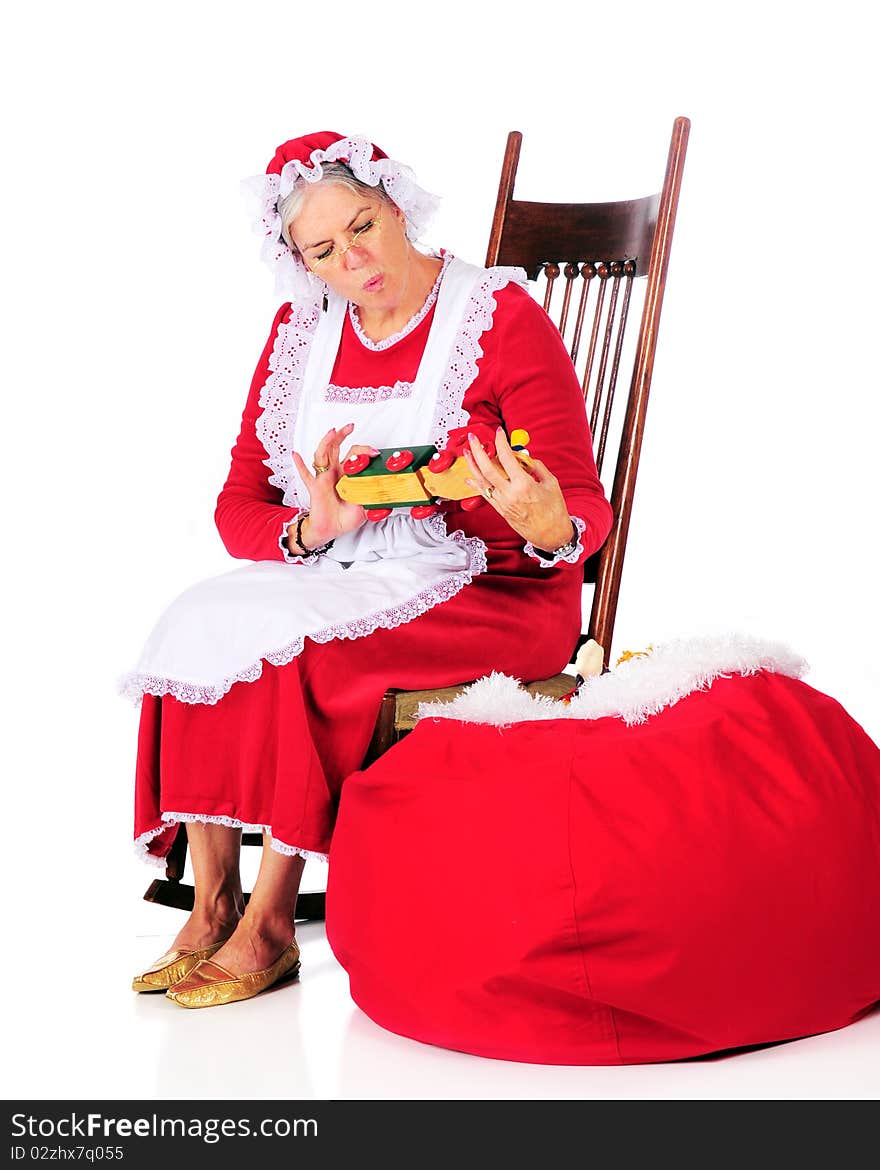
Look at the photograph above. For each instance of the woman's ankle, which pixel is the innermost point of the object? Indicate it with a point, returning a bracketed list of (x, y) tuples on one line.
[(269, 923), (208, 923), (224, 907)]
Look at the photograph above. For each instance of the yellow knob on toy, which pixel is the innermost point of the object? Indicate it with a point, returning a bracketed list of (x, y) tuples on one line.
[(519, 438)]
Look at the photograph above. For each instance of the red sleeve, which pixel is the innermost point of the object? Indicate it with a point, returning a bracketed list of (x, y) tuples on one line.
[(250, 516), (535, 386)]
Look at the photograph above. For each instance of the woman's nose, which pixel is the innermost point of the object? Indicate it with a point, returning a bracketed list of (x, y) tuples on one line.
[(353, 257)]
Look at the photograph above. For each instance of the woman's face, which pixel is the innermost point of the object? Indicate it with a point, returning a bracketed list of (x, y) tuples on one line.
[(374, 271)]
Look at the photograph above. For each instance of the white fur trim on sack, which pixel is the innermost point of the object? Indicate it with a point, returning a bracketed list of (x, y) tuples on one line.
[(293, 281), (634, 690)]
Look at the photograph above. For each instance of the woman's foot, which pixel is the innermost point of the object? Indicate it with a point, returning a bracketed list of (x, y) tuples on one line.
[(256, 943), (171, 967), (260, 953), (209, 985), (203, 934), (210, 922), (261, 950)]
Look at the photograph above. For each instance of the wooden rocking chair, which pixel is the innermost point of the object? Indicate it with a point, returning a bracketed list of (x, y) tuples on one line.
[(599, 253)]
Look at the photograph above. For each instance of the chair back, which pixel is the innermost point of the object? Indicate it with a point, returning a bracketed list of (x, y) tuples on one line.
[(593, 263)]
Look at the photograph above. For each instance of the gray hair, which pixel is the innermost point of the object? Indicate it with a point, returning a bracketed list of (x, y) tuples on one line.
[(334, 172)]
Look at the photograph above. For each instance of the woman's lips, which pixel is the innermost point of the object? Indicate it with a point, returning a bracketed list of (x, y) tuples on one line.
[(374, 283)]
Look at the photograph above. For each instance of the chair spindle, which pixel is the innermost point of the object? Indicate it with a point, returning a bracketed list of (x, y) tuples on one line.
[(588, 271), (570, 272), (626, 271), (551, 271)]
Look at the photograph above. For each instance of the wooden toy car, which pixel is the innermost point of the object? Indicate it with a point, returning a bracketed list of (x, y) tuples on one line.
[(418, 477)]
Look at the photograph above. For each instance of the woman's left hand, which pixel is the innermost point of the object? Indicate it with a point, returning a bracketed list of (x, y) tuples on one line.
[(531, 501)]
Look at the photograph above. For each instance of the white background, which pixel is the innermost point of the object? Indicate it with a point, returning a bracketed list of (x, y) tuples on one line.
[(135, 308)]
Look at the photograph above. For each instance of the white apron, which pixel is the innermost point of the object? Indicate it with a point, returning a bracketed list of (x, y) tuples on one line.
[(218, 631)]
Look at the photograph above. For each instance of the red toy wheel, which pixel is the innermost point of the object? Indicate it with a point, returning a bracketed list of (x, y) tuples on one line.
[(356, 463), (472, 502), (442, 461), (378, 513), (423, 511), (399, 460)]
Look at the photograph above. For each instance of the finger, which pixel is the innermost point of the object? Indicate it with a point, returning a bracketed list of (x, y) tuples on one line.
[(332, 436), (481, 460), (359, 449), (337, 439), (481, 483), (506, 457), (320, 455), (477, 480), (491, 497), (540, 471), (304, 473)]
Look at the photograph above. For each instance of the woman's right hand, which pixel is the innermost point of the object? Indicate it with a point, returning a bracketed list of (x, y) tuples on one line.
[(329, 516)]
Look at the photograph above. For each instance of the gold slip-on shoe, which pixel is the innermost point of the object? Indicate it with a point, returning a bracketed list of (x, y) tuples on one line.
[(171, 968), (209, 984)]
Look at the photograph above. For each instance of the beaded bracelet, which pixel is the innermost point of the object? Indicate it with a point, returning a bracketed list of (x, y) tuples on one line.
[(297, 540)]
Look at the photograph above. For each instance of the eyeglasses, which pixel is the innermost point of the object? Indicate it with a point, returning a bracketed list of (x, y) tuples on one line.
[(334, 255)]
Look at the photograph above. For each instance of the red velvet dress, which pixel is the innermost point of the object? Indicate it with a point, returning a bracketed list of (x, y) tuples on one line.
[(274, 752)]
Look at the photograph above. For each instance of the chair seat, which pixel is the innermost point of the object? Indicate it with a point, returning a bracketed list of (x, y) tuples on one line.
[(406, 706)]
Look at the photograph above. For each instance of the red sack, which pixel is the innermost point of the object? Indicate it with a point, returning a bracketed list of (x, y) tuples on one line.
[(580, 891)]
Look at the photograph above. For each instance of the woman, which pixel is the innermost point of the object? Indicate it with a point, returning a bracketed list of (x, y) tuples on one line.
[(378, 344)]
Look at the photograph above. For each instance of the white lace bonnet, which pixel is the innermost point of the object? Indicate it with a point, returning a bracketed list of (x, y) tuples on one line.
[(301, 159)]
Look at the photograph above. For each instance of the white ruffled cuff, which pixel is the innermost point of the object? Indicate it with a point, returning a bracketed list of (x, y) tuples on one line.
[(289, 557), (569, 558)]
